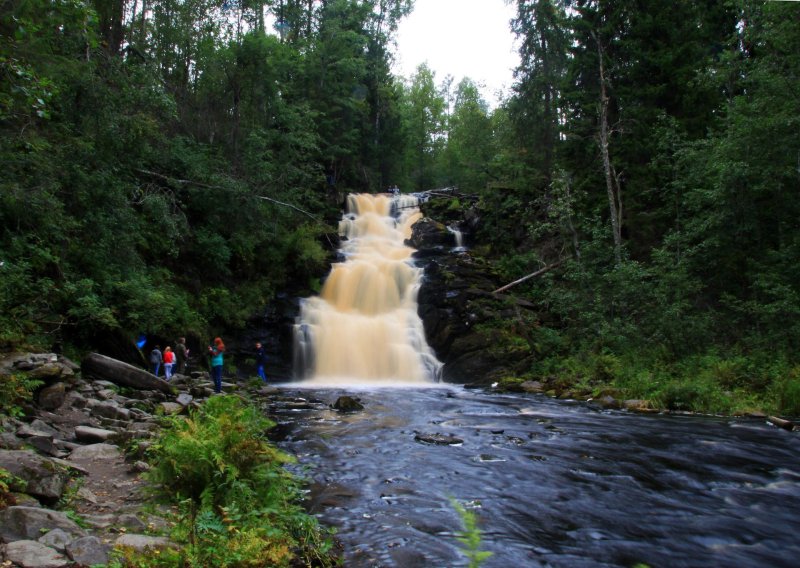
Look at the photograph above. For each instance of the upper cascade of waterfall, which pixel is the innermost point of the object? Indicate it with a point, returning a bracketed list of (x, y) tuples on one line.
[(364, 327)]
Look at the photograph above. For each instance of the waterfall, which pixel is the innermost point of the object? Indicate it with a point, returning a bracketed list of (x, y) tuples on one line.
[(458, 236), (364, 326)]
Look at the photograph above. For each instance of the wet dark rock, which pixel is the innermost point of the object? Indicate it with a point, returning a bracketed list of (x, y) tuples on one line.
[(467, 325), (428, 234), (347, 404), (52, 397), (438, 439)]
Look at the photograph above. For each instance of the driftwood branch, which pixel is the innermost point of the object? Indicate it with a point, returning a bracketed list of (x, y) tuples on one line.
[(289, 205), (529, 276)]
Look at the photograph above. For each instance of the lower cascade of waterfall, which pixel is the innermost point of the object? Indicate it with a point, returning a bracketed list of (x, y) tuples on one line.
[(364, 326)]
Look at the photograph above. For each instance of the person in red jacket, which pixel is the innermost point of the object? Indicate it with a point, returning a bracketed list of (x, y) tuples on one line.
[(169, 361)]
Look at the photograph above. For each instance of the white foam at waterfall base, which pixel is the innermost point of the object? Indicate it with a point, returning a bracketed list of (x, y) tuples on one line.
[(363, 328)]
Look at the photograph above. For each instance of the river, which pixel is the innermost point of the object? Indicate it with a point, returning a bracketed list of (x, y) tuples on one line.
[(553, 483)]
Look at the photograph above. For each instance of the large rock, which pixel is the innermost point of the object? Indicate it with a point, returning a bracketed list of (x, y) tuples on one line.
[(57, 538), (43, 478), (468, 326), (94, 452), (110, 410), (20, 523), (52, 397), (88, 551), (102, 367), (32, 554)]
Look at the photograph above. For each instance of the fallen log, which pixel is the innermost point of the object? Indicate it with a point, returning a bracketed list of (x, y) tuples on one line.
[(781, 423), (529, 276), (123, 374)]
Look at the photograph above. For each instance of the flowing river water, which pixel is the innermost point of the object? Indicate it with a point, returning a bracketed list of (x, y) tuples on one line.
[(552, 483)]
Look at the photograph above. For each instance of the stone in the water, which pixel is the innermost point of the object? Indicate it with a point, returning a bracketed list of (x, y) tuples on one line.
[(347, 404), (438, 439)]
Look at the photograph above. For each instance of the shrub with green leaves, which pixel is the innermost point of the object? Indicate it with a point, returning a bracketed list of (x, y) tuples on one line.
[(16, 389), (238, 505)]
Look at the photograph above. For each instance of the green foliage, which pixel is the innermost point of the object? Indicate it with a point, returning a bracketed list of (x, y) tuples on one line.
[(238, 506), (16, 389), (470, 537), (787, 391), (9, 482)]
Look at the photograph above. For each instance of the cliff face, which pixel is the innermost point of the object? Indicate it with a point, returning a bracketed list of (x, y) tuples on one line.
[(478, 335)]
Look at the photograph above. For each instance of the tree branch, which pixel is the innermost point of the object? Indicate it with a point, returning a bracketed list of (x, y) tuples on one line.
[(529, 276)]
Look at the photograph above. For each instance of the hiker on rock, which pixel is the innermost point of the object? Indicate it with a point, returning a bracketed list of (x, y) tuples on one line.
[(169, 361), (261, 360), (181, 354), (155, 359), (216, 352)]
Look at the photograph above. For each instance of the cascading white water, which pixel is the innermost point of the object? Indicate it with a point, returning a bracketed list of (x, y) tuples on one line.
[(458, 236), (364, 326)]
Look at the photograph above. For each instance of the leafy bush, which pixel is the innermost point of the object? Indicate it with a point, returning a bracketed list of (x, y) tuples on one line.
[(238, 505), (16, 389)]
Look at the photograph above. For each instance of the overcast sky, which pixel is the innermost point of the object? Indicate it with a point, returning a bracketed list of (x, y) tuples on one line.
[(463, 38)]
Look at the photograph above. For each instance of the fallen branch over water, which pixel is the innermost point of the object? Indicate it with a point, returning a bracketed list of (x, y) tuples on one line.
[(781, 423), (529, 276)]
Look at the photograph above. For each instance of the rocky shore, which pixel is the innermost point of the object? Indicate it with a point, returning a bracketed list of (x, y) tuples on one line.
[(75, 459)]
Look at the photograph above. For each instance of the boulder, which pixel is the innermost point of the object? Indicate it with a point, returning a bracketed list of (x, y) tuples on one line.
[(32, 554), (9, 441), (49, 372), (42, 477), (94, 452), (19, 523), (102, 367), (57, 539), (110, 410), (347, 404), (438, 439), (184, 399), (88, 551), (52, 397), (168, 408)]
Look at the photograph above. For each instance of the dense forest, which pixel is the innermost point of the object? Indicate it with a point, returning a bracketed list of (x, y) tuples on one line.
[(169, 166)]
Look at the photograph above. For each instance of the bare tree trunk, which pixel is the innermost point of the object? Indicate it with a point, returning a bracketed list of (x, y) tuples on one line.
[(612, 182)]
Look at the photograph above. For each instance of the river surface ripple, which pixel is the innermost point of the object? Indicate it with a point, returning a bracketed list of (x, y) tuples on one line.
[(553, 483)]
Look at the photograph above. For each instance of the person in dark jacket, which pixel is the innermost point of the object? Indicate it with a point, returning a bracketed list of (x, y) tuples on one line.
[(155, 359), (181, 353), (261, 360)]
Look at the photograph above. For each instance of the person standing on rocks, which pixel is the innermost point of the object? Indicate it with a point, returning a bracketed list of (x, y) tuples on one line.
[(181, 353), (216, 352), (261, 360), (169, 361), (155, 359)]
